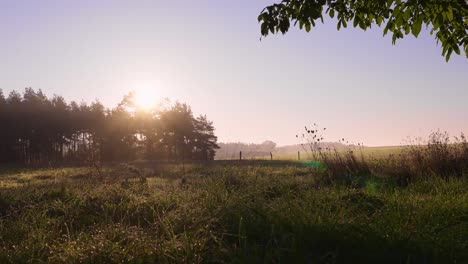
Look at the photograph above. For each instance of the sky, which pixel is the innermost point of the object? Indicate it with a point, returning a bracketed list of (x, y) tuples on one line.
[(208, 53)]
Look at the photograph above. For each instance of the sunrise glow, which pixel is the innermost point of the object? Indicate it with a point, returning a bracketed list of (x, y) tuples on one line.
[(145, 97)]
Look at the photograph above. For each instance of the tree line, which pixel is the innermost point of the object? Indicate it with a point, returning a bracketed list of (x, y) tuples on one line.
[(36, 129), (231, 150)]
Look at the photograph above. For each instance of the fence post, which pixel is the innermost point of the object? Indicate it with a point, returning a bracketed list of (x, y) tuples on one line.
[(299, 155), (240, 155), (271, 156)]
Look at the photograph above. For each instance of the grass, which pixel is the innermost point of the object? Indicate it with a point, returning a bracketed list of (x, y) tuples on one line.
[(254, 211), (368, 152)]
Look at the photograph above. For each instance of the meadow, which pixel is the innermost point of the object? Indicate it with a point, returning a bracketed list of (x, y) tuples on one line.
[(368, 152), (236, 212)]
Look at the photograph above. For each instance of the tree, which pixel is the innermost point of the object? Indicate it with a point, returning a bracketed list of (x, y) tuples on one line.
[(178, 126), (447, 19), (37, 130), (2, 98), (205, 141)]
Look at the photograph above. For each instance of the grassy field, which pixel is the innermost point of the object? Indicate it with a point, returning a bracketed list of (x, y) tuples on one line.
[(235, 212), (374, 152)]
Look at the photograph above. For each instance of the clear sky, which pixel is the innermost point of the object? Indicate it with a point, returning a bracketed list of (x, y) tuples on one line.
[(208, 54)]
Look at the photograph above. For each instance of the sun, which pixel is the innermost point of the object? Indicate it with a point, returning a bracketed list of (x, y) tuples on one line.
[(145, 98)]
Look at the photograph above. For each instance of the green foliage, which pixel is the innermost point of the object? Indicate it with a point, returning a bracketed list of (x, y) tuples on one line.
[(446, 19)]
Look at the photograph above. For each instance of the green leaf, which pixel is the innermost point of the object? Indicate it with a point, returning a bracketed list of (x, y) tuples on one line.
[(379, 20), (416, 28), (440, 19), (272, 29), (449, 53), (389, 3), (407, 29), (407, 14), (344, 23), (396, 11), (264, 29), (332, 13), (444, 17), (363, 25), (444, 49), (450, 13), (307, 27), (456, 49)]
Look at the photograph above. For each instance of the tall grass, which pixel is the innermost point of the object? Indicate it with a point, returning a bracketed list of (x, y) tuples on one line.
[(236, 213), (341, 207), (439, 156)]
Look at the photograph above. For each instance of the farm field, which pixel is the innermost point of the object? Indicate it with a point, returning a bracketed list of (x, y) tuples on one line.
[(228, 211), (368, 152)]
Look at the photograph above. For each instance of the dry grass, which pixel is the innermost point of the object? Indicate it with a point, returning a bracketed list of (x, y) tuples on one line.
[(344, 207)]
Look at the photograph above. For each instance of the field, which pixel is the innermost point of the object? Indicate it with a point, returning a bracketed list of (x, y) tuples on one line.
[(373, 152), (228, 211)]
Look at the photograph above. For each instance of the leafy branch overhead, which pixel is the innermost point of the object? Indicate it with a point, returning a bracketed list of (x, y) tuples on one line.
[(446, 19)]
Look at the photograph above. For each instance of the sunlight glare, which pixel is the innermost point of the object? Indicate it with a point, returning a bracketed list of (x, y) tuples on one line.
[(145, 98)]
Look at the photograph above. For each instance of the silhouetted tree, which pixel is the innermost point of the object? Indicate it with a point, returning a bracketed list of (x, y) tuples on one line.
[(205, 141), (38, 130)]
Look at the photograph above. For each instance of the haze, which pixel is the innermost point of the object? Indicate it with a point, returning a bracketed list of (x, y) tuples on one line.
[(209, 55)]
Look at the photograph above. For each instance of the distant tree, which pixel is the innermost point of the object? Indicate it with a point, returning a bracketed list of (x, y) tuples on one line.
[(447, 19), (2, 98), (120, 134), (231, 150), (4, 142), (205, 141), (14, 98), (13, 133), (268, 146)]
